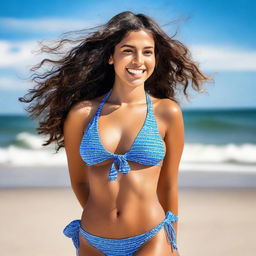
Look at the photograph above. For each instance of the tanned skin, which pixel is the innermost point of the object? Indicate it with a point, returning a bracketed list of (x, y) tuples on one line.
[(138, 201)]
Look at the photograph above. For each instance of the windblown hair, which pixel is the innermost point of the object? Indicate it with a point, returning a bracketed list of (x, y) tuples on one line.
[(84, 73)]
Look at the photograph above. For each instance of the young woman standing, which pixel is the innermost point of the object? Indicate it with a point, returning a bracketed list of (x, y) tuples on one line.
[(111, 103)]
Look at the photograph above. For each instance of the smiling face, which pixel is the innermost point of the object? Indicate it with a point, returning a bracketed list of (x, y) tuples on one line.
[(134, 58)]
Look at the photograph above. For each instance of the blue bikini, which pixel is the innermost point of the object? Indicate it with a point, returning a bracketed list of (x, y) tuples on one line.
[(122, 246), (147, 149)]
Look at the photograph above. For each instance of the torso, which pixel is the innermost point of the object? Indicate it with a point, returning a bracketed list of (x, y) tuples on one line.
[(129, 206)]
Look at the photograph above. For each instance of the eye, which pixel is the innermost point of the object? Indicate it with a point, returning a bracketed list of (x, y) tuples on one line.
[(127, 50), (148, 52)]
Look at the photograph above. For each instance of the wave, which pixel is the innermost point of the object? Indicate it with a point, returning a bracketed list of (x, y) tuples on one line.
[(28, 141), (27, 150), (16, 156), (237, 120), (229, 153)]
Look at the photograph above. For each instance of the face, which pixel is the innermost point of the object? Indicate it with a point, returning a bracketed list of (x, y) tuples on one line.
[(134, 58)]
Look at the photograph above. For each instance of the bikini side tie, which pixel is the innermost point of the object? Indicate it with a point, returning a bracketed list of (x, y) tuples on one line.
[(72, 231), (170, 218)]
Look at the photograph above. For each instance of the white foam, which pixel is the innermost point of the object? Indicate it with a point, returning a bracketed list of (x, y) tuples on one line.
[(16, 156), (195, 156), (200, 153), (217, 167), (31, 141)]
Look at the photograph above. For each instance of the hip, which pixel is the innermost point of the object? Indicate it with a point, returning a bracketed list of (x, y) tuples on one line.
[(130, 219)]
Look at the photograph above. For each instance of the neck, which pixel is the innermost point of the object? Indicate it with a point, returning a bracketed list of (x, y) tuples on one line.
[(121, 95)]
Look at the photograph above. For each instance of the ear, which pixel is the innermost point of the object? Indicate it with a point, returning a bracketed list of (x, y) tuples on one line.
[(110, 61)]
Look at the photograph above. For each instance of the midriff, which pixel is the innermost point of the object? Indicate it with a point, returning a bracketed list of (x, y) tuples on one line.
[(123, 208)]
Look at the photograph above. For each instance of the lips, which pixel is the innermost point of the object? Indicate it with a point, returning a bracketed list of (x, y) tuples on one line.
[(134, 73)]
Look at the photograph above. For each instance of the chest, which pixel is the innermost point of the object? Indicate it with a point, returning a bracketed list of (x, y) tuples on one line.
[(118, 128)]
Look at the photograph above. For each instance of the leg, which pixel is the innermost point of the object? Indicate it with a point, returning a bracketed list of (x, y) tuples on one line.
[(155, 246), (86, 249)]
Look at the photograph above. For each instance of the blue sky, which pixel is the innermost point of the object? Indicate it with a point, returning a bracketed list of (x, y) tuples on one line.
[(220, 35)]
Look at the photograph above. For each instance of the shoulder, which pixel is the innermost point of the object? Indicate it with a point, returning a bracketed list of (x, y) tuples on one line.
[(84, 108), (82, 111), (173, 120), (168, 109), (171, 109)]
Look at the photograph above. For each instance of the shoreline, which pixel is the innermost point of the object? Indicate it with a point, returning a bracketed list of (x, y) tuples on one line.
[(58, 177)]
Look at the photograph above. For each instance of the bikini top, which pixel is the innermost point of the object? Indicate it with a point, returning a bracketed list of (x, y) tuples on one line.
[(147, 148)]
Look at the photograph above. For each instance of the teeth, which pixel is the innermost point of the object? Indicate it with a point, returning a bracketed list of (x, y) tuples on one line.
[(135, 71)]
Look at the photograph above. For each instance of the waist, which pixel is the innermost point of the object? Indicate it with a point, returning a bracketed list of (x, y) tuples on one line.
[(129, 219)]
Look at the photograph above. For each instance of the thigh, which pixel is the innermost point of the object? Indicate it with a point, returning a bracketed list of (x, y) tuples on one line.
[(86, 249), (155, 246)]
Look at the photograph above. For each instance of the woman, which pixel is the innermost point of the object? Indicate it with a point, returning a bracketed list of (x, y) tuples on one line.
[(111, 103)]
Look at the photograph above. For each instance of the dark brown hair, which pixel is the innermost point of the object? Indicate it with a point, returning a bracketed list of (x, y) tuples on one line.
[(83, 72)]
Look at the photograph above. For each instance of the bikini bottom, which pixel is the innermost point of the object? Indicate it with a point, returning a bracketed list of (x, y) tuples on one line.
[(122, 246)]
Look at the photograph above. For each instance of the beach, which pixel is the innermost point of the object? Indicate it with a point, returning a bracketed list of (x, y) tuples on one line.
[(213, 221), (217, 188), (57, 176)]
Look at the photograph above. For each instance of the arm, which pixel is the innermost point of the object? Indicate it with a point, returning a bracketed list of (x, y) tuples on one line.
[(74, 124), (167, 189)]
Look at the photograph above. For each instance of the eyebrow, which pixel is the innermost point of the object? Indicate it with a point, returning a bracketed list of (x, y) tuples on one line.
[(131, 46)]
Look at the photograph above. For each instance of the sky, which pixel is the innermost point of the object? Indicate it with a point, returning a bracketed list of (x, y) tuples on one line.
[(219, 34)]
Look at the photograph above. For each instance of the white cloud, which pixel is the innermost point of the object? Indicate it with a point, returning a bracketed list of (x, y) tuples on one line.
[(21, 56), (224, 58), (15, 54), (12, 84), (215, 58), (44, 25)]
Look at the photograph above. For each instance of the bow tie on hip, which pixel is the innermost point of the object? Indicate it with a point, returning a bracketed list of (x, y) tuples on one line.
[(72, 231), (170, 217)]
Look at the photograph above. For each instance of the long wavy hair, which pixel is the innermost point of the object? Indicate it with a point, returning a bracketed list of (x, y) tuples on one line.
[(83, 72)]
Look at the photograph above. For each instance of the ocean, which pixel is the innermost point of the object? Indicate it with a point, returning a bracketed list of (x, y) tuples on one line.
[(222, 138)]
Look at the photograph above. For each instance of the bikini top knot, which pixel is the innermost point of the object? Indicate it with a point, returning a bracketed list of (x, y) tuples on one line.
[(123, 166), (147, 148)]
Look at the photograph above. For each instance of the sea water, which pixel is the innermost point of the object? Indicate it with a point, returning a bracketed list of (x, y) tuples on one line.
[(214, 139)]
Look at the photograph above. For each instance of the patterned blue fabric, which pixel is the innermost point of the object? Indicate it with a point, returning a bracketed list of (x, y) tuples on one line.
[(123, 246), (147, 148)]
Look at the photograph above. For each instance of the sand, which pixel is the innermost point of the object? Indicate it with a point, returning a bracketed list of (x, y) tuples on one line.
[(49, 176), (213, 221)]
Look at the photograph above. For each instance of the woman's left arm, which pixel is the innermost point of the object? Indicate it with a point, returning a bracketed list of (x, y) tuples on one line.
[(167, 189)]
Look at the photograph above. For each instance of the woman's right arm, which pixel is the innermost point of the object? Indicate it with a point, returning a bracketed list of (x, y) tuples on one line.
[(74, 125)]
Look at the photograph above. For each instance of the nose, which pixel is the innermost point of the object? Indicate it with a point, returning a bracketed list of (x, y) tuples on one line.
[(138, 59)]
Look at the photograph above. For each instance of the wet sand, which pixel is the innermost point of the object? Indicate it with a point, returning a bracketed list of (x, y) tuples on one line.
[(213, 221), (46, 176)]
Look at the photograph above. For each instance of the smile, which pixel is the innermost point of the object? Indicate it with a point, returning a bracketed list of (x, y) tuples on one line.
[(135, 71)]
